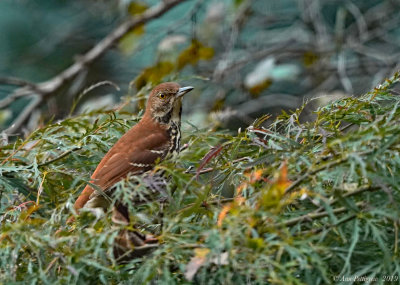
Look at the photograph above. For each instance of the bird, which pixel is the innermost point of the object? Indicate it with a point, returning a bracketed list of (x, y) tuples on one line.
[(156, 136)]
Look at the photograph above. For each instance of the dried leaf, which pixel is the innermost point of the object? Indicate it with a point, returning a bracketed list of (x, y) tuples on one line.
[(257, 89), (214, 151), (195, 52), (225, 210), (201, 252), (223, 214), (137, 8), (310, 58), (253, 177), (196, 262), (283, 181)]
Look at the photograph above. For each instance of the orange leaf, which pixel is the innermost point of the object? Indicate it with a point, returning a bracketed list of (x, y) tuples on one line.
[(223, 213), (225, 210), (240, 188), (256, 175), (282, 178), (253, 177)]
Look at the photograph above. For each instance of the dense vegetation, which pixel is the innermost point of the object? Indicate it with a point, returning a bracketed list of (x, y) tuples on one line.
[(292, 203)]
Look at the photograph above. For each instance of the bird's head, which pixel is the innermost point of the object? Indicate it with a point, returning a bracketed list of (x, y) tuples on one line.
[(165, 101)]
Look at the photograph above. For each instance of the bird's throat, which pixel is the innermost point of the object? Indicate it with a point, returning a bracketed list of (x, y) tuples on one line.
[(172, 116), (174, 127)]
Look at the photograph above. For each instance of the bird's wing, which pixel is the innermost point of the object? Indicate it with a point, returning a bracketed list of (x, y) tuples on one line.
[(135, 161), (117, 167)]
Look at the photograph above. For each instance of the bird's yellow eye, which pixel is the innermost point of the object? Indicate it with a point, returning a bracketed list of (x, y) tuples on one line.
[(161, 96)]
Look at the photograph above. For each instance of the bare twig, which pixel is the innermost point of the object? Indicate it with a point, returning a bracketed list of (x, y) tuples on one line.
[(208, 203), (89, 89), (359, 18), (210, 169), (344, 79), (270, 101), (316, 215), (59, 157), (20, 92), (320, 229), (16, 81), (24, 115)]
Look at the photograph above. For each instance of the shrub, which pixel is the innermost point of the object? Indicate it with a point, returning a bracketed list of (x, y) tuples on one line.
[(292, 203)]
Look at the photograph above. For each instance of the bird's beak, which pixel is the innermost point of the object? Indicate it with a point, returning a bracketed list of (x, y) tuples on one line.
[(182, 91)]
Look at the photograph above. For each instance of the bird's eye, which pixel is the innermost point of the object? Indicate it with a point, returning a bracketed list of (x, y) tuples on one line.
[(161, 96)]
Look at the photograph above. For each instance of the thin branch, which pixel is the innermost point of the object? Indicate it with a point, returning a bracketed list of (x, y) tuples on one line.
[(60, 156), (346, 127), (314, 215), (359, 18), (24, 115), (211, 169), (320, 229), (269, 101), (16, 81), (21, 92), (205, 204), (89, 89)]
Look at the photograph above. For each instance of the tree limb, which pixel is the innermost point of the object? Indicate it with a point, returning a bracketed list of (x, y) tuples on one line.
[(105, 44), (50, 86)]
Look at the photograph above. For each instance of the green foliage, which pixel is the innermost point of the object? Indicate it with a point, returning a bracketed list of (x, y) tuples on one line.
[(294, 203)]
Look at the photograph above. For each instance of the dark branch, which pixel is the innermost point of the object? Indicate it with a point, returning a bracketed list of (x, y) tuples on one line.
[(315, 215), (59, 157), (16, 81), (321, 229)]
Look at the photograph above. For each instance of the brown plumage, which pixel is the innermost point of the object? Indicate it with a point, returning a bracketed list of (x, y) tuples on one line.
[(155, 136)]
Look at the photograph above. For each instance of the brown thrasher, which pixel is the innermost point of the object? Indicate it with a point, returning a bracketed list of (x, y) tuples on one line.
[(155, 136)]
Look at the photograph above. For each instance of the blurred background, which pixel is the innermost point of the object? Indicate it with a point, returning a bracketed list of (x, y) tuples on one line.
[(245, 58)]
